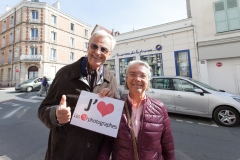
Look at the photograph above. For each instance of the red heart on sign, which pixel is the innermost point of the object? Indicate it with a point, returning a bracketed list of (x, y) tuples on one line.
[(105, 109)]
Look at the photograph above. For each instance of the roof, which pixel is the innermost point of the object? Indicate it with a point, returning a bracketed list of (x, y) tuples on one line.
[(108, 31)]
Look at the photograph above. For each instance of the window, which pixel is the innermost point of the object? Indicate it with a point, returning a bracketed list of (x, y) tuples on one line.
[(53, 36), (11, 38), (54, 20), (33, 50), (110, 65), (182, 85), (161, 83), (123, 64), (11, 21), (10, 56), (71, 42), (34, 34), (155, 62), (71, 57), (2, 59), (72, 27), (1, 75), (18, 17), (86, 45), (34, 16), (4, 26), (227, 17), (3, 41), (183, 63), (9, 74), (17, 38), (53, 55), (86, 32)]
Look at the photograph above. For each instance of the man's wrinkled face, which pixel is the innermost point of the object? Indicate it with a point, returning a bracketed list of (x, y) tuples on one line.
[(99, 49)]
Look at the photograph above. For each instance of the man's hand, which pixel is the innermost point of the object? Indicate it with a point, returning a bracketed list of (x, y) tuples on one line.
[(106, 92), (63, 112)]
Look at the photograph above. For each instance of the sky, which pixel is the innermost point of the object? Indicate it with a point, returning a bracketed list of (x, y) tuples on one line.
[(120, 15)]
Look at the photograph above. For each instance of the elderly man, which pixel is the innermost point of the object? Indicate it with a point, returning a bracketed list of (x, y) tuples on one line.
[(66, 141)]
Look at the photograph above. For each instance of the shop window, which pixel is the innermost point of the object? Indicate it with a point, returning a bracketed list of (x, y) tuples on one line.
[(110, 65), (155, 62), (123, 65), (183, 63)]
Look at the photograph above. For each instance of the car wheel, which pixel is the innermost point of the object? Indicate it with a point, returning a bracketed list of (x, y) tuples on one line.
[(29, 89), (226, 116)]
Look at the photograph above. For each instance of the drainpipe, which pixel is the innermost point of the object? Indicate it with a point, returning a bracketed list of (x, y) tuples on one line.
[(14, 27), (196, 51)]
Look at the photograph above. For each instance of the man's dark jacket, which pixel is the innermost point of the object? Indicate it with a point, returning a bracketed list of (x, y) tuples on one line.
[(69, 142)]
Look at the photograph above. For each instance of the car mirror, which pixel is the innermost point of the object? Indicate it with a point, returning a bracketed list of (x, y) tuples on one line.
[(198, 90)]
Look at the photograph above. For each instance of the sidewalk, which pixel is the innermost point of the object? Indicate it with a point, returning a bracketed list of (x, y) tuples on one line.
[(7, 88)]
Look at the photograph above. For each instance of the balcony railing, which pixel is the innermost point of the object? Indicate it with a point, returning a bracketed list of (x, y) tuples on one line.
[(34, 38), (31, 58), (34, 20)]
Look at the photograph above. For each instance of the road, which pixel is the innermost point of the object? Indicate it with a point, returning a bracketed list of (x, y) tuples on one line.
[(24, 137)]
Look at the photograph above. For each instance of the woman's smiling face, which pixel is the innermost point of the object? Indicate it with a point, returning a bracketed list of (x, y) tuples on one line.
[(137, 79)]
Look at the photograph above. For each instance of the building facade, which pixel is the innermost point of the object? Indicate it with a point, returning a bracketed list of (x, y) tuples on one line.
[(37, 39), (170, 49), (217, 25)]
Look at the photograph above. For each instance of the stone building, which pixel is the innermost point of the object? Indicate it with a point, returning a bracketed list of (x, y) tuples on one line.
[(37, 39)]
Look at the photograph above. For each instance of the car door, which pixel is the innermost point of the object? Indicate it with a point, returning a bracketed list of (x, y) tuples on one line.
[(187, 100), (37, 85), (162, 90)]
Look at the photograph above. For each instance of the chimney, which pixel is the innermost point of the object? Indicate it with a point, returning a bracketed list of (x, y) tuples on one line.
[(8, 7), (112, 32), (188, 9), (56, 5)]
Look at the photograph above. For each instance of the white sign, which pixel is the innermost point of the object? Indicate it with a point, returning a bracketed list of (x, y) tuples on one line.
[(98, 114)]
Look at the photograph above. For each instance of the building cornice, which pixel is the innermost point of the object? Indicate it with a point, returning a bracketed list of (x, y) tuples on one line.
[(219, 41), (41, 5)]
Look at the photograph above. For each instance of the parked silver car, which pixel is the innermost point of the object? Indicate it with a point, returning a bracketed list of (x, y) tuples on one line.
[(31, 84), (185, 95)]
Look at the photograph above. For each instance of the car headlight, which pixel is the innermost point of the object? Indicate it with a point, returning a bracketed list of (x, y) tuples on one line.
[(237, 99), (22, 85)]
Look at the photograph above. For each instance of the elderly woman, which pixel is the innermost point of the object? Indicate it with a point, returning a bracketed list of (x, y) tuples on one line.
[(144, 131)]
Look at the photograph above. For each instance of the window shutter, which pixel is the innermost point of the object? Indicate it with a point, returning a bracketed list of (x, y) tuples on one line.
[(233, 15), (220, 16)]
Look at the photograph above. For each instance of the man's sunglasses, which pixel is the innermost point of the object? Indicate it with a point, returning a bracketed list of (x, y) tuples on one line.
[(95, 47)]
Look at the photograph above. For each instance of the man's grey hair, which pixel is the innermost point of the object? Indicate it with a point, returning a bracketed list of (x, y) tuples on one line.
[(140, 63), (102, 33)]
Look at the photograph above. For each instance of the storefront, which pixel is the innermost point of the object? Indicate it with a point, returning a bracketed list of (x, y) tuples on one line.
[(169, 49)]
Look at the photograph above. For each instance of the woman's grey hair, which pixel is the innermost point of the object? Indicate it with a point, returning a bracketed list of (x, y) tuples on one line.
[(102, 33), (141, 63)]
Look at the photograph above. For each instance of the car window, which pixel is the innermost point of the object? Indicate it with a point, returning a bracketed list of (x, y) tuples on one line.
[(182, 85), (161, 83)]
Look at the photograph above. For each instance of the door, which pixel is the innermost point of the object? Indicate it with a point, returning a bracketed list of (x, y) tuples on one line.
[(238, 77), (162, 90), (32, 72), (187, 100)]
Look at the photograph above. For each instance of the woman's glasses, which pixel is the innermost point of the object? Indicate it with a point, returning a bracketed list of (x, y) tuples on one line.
[(95, 47)]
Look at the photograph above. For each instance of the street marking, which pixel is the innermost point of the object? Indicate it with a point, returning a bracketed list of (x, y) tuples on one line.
[(189, 122), (12, 113), (212, 125), (179, 120)]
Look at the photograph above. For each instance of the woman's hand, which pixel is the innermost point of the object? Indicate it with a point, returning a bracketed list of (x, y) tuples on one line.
[(106, 92)]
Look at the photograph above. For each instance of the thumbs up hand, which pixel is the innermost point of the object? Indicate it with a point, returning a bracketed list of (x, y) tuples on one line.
[(63, 112)]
